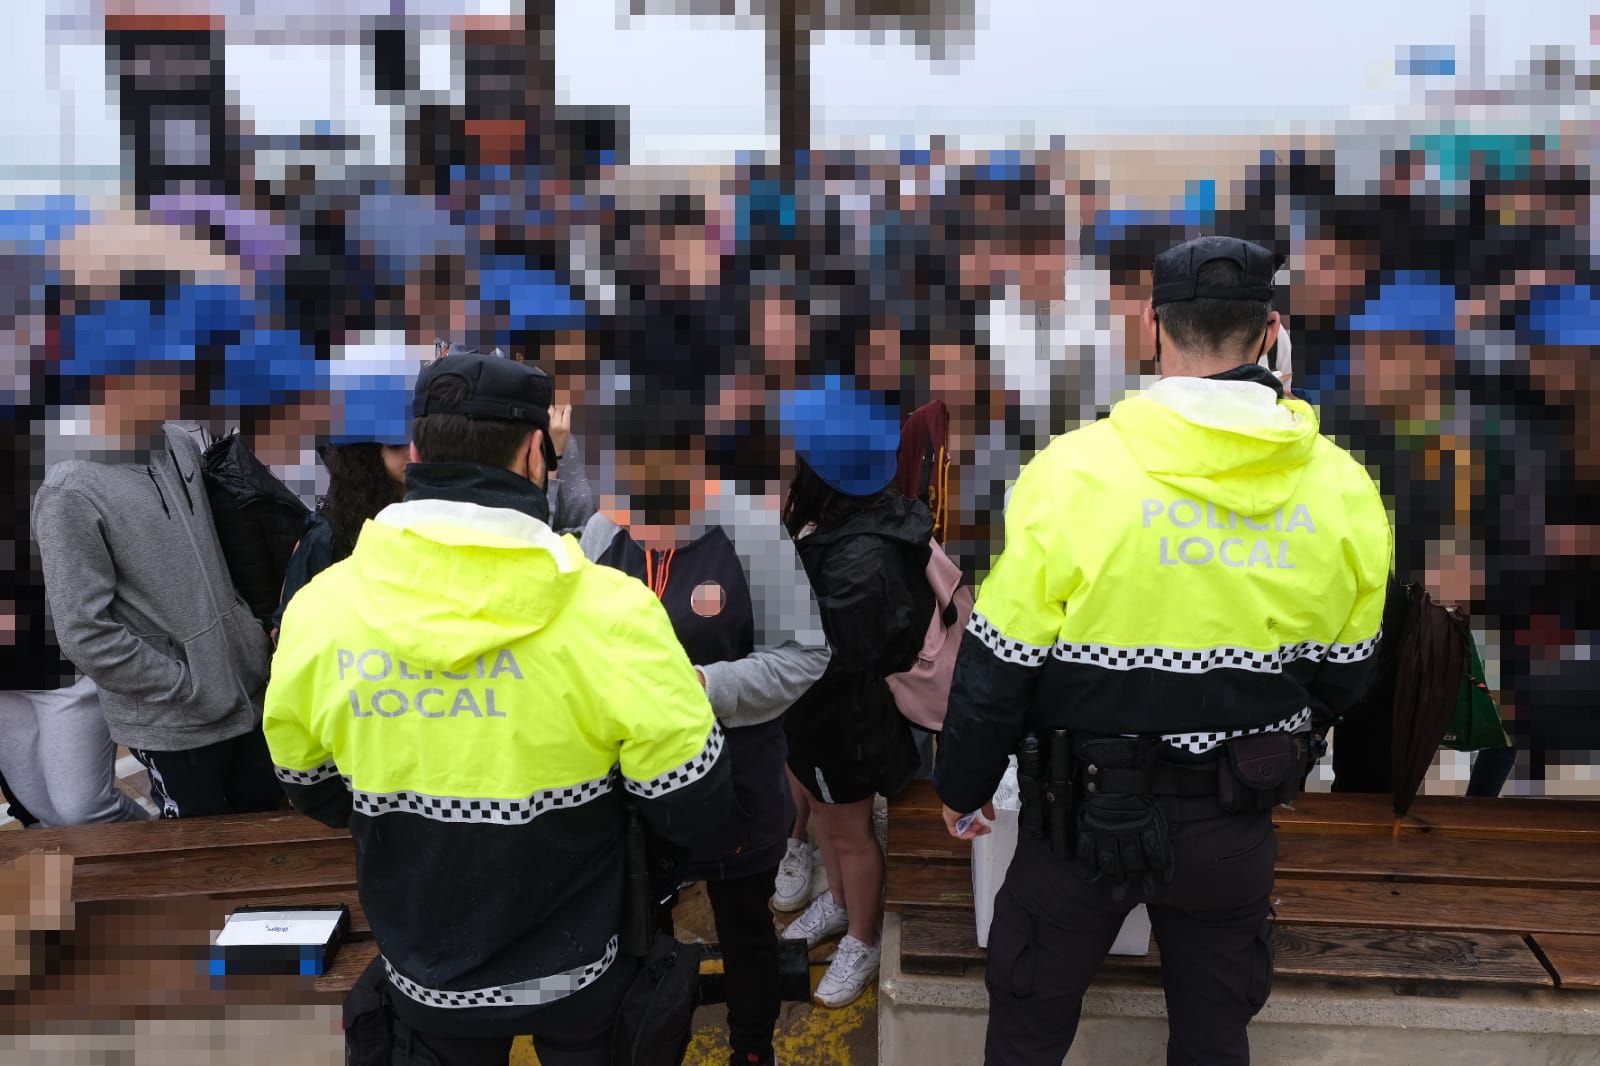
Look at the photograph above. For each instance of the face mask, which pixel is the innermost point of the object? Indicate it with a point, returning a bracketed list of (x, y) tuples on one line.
[(666, 502), (299, 477), (1284, 369)]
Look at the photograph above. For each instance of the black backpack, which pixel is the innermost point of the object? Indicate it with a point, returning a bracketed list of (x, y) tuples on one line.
[(657, 1014)]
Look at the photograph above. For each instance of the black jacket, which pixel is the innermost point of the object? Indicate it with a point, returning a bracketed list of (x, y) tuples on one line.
[(258, 522), (869, 573), (312, 555), (31, 660)]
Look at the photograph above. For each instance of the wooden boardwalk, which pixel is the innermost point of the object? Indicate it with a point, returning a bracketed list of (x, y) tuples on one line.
[(1474, 891)]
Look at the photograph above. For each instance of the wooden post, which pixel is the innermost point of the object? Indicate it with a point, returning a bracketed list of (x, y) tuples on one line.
[(539, 84), (789, 47)]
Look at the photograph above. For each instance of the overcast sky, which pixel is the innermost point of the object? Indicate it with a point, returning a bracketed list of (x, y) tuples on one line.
[(1063, 66)]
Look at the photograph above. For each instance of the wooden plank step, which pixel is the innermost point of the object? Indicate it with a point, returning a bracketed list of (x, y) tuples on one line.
[(1409, 905), (1403, 905), (129, 926), (1440, 860), (934, 886), (917, 796), (169, 835), (947, 944), (917, 836), (1536, 820), (938, 942), (218, 871), (1575, 959), (1408, 956), (1573, 821)]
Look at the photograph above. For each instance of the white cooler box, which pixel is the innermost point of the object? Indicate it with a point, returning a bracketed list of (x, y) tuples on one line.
[(991, 855)]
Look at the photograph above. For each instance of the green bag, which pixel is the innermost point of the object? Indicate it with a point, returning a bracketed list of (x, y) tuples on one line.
[(1476, 723)]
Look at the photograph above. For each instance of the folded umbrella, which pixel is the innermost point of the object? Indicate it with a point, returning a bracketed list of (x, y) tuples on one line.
[(1432, 660)]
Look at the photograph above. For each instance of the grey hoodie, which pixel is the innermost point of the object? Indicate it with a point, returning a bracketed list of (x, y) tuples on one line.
[(141, 600), (570, 495)]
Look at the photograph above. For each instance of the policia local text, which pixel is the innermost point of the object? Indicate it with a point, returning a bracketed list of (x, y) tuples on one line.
[(378, 665), (1230, 551)]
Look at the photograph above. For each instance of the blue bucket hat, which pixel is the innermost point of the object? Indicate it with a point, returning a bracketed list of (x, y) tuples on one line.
[(1413, 302), (266, 367), (848, 436), (120, 337), (1566, 315), (537, 298), (375, 392)]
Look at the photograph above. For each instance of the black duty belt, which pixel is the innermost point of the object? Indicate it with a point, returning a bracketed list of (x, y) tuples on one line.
[(1161, 779)]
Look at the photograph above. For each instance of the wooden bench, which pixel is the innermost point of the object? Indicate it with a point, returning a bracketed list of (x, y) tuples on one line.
[(148, 897), (1474, 892)]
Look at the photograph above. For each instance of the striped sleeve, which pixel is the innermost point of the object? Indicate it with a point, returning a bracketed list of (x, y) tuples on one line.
[(1352, 660), (303, 764), (1015, 622), (671, 750)]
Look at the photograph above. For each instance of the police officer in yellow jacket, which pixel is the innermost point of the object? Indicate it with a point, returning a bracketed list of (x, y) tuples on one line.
[(1191, 592), (473, 698)]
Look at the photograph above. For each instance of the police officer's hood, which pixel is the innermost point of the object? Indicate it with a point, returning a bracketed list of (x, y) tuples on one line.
[(447, 581), (1235, 443)]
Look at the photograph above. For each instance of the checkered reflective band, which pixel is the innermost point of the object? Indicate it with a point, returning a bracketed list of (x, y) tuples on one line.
[(306, 777), (1354, 653), (1201, 660), (1200, 743), (519, 811), (1004, 648), (679, 776), (534, 993)]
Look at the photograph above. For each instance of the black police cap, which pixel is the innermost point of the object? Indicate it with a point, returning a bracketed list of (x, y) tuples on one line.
[(496, 388), (1177, 271)]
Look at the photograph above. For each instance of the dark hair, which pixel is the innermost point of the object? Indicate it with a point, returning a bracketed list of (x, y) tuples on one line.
[(811, 500), (459, 439), (681, 210), (1206, 325), (656, 414), (359, 486)]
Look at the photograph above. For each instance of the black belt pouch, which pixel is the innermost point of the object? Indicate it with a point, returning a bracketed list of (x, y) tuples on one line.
[(1257, 773)]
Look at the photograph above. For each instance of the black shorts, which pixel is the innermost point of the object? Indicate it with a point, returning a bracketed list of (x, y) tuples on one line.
[(840, 758)]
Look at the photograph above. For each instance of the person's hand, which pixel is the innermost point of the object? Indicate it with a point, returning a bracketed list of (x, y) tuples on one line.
[(975, 830), (701, 674), (560, 427)]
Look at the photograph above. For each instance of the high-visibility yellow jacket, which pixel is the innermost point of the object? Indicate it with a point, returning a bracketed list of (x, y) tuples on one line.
[(473, 697), (1202, 560)]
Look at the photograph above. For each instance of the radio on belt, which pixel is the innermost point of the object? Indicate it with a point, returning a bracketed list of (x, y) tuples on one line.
[(279, 940)]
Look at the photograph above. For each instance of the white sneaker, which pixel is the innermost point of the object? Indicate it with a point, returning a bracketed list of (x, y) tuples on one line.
[(823, 920), (794, 879), (853, 968)]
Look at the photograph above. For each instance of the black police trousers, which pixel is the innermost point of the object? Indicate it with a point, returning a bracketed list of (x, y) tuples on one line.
[(1052, 929)]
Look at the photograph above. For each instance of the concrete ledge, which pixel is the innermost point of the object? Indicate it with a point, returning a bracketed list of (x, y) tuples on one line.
[(928, 1021)]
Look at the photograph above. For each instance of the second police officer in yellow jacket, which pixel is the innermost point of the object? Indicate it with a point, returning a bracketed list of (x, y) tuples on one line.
[(1191, 591)]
